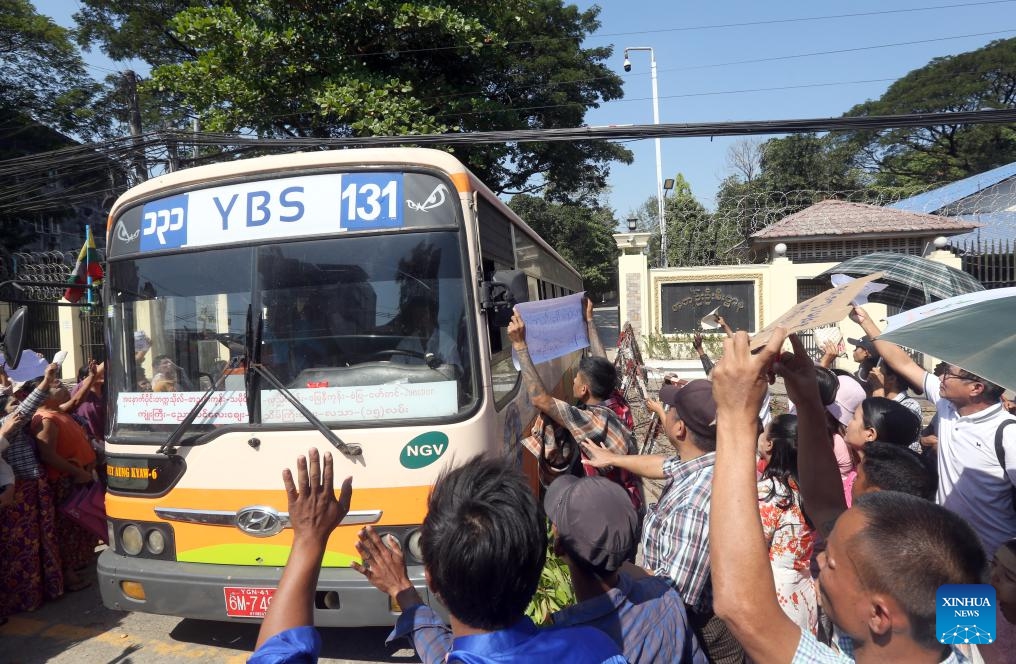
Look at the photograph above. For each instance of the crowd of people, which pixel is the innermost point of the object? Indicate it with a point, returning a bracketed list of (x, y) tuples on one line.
[(817, 535), (51, 443)]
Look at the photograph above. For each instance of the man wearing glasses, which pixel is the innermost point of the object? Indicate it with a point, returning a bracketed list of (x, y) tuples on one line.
[(972, 481)]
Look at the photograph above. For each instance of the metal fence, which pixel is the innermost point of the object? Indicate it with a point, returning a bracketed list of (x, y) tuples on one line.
[(992, 263)]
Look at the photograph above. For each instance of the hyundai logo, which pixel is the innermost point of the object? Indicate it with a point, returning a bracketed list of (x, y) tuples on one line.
[(260, 521)]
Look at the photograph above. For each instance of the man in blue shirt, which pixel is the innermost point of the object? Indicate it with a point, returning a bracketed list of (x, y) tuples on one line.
[(594, 527), (484, 545)]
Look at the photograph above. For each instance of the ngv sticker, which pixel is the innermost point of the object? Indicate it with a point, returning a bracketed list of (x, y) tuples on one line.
[(423, 450)]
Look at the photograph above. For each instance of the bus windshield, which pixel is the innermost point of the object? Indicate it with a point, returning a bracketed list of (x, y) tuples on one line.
[(360, 328)]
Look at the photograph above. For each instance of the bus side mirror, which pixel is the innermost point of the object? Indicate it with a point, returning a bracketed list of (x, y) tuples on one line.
[(499, 295)]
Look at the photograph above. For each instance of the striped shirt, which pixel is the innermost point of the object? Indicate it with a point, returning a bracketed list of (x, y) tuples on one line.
[(811, 651), (645, 618), (21, 455), (675, 538)]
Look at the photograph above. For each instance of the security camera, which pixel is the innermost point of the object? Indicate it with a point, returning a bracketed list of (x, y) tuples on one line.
[(627, 64)]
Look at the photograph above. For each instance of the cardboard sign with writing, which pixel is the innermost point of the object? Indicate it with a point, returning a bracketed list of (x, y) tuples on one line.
[(554, 327), (826, 308)]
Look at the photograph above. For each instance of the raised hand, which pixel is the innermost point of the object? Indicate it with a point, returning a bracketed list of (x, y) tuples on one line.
[(313, 509), (383, 562), (517, 329), (740, 381)]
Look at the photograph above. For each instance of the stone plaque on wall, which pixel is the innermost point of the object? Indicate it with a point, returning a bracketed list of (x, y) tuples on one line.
[(684, 304)]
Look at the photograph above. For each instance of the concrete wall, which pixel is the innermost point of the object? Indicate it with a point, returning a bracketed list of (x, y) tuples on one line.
[(776, 284)]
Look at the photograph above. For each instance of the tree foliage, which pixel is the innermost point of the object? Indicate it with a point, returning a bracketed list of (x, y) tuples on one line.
[(318, 68), (980, 79), (582, 234), (42, 75)]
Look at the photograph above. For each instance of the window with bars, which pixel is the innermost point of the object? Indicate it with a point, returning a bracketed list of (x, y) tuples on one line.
[(838, 250)]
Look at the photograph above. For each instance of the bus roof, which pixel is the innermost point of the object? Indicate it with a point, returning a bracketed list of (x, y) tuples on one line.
[(200, 176)]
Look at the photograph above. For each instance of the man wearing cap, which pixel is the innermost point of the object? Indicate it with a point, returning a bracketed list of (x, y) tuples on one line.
[(594, 530), (866, 356), (675, 533)]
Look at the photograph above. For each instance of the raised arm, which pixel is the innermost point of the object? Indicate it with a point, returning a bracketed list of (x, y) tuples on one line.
[(894, 356), (830, 351), (538, 394), (643, 465), (817, 470), (744, 594), (723, 323), (595, 344), (95, 372), (707, 363), (314, 513)]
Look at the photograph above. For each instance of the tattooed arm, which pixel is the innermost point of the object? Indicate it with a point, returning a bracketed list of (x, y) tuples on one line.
[(595, 344)]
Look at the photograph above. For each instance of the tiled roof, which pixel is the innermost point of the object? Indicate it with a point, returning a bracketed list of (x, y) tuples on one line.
[(841, 218)]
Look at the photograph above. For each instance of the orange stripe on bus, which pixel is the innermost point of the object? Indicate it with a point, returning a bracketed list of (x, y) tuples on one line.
[(461, 182), (399, 506)]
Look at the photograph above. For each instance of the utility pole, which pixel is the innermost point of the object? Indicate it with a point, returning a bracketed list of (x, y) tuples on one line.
[(130, 84)]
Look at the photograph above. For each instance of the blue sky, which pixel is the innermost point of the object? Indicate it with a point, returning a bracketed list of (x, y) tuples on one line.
[(697, 79)]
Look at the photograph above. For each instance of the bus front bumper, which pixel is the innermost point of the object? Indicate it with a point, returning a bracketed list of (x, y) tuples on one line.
[(197, 590)]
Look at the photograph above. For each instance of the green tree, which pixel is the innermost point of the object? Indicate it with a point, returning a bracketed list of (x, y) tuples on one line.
[(582, 234), (318, 68), (916, 157), (42, 75), (694, 235)]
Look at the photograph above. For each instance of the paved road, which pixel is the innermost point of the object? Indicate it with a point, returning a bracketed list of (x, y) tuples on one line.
[(77, 629), (606, 319)]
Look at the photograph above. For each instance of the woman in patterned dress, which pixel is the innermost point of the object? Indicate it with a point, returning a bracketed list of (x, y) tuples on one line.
[(790, 537), (30, 570), (69, 459)]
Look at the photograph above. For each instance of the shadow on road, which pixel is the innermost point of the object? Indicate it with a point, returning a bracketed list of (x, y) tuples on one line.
[(365, 644)]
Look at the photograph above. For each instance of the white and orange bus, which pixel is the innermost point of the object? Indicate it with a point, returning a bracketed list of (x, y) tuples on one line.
[(354, 301)]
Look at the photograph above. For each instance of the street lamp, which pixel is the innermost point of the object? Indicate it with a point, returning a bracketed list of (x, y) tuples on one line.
[(632, 223), (656, 121)]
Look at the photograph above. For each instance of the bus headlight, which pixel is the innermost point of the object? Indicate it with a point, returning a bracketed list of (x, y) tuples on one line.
[(413, 545), (156, 542), (131, 540)]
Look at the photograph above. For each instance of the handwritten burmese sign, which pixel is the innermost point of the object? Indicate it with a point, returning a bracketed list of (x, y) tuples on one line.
[(826, 308), (554, 327), (685, 304)]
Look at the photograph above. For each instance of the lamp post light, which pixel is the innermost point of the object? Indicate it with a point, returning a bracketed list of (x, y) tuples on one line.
[(632, 223), (656, 121)]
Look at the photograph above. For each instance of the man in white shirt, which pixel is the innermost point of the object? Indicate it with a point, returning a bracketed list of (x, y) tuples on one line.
[(971, 481)]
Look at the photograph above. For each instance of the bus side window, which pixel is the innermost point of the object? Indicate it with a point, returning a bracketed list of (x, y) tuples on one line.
[(504, 375)]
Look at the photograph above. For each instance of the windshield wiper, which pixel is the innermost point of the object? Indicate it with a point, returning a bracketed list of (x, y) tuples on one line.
[(352, 451), (169, 447)]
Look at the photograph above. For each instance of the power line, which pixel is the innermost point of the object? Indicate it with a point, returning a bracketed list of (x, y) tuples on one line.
[(715, 26), (841, 50), (684, 95), (110, 155)]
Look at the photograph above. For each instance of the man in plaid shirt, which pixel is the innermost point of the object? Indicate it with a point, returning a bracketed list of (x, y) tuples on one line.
[(675, 535), (591, 420)]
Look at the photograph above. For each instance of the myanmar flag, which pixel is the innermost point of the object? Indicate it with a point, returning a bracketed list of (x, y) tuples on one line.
[(86, 270)]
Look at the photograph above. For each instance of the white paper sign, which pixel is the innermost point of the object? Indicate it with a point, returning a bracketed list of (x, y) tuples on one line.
[(710, 321), (330, 404), (554, 327)]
